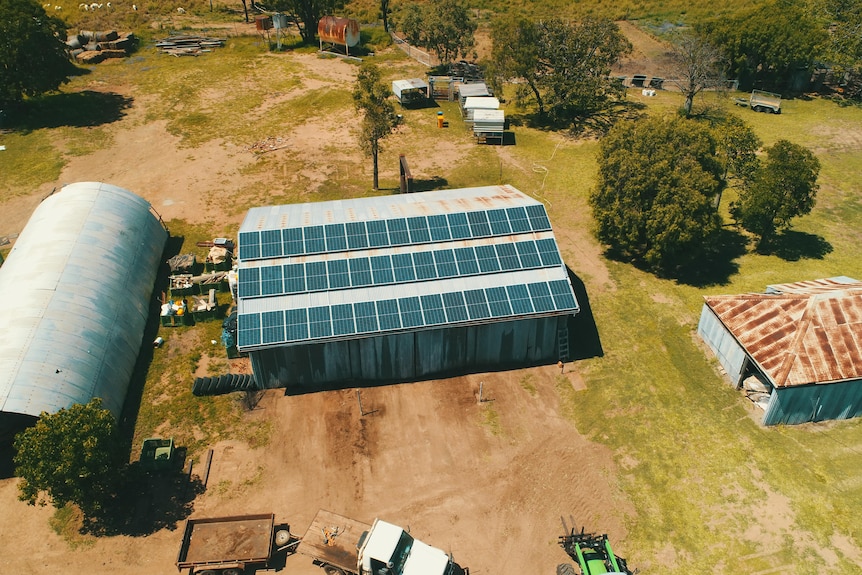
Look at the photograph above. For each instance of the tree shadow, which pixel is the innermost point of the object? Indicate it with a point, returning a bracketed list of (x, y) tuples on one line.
[(592, 124), (584, 340), (717, 265), (76, 109), (792, 246)]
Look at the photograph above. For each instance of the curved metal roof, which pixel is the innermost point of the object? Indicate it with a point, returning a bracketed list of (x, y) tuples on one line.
[(76, 289)]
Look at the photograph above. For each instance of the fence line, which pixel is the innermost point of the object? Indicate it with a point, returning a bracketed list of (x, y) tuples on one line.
[(420, 56)]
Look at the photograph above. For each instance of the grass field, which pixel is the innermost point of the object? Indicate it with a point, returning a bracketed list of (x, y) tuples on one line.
[(703, 476)]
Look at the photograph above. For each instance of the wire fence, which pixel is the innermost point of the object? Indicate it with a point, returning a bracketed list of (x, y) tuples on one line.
[(420, 56)]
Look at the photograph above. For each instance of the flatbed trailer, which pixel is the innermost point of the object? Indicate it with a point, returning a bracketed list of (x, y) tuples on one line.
[(331, 541)]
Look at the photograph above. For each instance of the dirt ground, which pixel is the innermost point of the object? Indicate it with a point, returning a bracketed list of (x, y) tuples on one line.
[(487, 481)]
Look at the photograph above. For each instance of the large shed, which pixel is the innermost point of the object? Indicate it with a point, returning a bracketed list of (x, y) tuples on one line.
[(76, 293), (399, 288), (802, 340)]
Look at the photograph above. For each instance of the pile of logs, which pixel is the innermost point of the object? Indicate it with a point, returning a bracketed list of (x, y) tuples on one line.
[(188, 45), (89, 47)]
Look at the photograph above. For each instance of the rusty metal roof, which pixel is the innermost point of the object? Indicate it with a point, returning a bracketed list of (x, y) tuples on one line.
[(799, 333)]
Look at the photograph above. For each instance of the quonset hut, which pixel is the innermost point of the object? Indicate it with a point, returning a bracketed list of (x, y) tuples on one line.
[(76, 294), (802, 342), (400, 288)]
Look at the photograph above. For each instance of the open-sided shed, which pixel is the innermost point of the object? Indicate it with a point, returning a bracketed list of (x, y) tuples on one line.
[(803, 340), (399, 288)]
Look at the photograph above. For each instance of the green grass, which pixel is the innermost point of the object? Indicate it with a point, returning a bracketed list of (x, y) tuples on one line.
[(28, 161), (67, 522)]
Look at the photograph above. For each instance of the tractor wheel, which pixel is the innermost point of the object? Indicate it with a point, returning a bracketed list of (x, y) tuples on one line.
[(332, 570), (565, 569), (282, 537)]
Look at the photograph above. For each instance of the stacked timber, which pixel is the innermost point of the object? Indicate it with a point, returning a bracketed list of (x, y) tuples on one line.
[(185, 45)]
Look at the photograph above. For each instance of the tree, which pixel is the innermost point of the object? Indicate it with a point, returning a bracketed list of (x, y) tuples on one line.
[(653, 202), (33, 59), (445, 27), (379, 119), (697, 66), (844, 46), (73, 456), (385, 10), (565, 66), (305, 14), (737, 146), (783, 188)]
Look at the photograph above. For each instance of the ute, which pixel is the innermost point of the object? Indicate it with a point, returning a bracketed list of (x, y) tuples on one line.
[(592, 552)]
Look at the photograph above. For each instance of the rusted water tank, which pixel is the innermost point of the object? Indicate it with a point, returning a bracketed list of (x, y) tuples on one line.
[(343, 31)]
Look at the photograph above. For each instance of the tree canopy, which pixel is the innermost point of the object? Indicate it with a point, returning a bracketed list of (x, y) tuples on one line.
[(783, 188), (305, 14), (697, 66), (445, 27), (73, 456), (563, 66), (370, 96), (33, 59), (843, 48), (654, 200)]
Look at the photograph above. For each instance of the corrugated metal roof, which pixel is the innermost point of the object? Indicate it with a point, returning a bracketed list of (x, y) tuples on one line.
[(799, 333), (76, 289)]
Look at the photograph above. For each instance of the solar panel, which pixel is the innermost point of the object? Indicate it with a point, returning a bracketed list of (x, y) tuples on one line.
[(319, 322), (387, 313), (439, 228), (411, 311), (499, 222), (487, 258), (467, 264), (314, 240), (562, 294), (419, 233), (498, 301), (548, 252), (270, 281), (360, 272), (445, 260), (294, 278), (249, 282), (366, 317), (459, 226), (381, 270), (339, 276), (342, 319), (273, 326), (378, 237), (336, 238), (456, 310), (518, 219), (432, 307), (528, 254), (398, 235), (479, 227), (538, 218), (477, 305), (424, 264), (293, 242), (541, 296), (357, 238), (402, 265), (508, 257), (296, 322), (315, 276), (248, 329), (270, 243), (519, 296), (249, 245)]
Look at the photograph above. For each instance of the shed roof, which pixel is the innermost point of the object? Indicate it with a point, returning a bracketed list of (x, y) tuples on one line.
[(473, 89), (76, 291), (354, 268), (799, 333), (481, 103), (411, 84)]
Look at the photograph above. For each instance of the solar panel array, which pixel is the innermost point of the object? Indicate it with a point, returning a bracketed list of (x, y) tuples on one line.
[(397, 268), (338, 237), (333, 321)]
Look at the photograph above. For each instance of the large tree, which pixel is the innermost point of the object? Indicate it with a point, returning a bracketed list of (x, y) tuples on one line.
[(785, 187), (445, 27), (370, 96), (737, 146), (564, 66), (697, 65), (844, 46), (654, 200), (305, 14), (73, 456), (33, 58)]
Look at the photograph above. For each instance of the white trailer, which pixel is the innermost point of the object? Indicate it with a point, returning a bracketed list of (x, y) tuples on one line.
[(761, 101)]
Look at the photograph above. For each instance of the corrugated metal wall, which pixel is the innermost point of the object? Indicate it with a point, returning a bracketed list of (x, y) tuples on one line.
[(409, 356), (821, 402), (730, 354)]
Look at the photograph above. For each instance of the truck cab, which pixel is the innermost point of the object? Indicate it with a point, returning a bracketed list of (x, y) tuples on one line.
[(387, 549)]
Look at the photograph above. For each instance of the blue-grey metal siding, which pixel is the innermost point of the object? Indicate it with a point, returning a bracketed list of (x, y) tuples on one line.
[(727, 350), (816, 402)]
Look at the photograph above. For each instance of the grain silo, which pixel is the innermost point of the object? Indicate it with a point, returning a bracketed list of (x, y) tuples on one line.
[(400, 288)]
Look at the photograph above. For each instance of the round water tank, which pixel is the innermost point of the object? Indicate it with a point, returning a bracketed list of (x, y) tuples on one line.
[(343, 31)]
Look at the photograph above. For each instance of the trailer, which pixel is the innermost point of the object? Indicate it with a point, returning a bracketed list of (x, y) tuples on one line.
[(231, 545), (761, 101)]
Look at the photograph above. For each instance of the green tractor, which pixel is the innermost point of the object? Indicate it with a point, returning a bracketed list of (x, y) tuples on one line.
[(592, 552)]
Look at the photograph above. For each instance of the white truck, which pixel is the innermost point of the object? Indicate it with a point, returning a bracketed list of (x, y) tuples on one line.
[(344, 546)]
